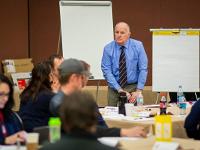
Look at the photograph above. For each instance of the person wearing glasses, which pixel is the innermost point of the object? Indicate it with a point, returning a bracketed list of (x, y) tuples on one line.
[(79, 122), (73, 76), (11, 128)]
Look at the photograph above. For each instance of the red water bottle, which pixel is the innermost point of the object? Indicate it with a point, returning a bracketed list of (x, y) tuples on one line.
[(163, 105)]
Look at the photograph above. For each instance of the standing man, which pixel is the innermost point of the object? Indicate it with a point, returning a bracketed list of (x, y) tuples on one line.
[(124, 65)]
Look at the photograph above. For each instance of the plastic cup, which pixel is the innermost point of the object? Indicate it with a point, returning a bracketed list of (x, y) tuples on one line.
[(182, 107), (129, 108), (32, 141)]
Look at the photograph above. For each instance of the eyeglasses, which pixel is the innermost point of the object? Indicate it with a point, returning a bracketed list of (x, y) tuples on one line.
[(2, 95)]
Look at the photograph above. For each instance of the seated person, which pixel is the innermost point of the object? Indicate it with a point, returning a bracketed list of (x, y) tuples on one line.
[(189, 96), (73, 76), (54, 61), (34, 109), (78, 116), (192, 122), (11, 128)]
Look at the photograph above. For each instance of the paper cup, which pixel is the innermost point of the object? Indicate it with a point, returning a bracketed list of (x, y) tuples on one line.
[(182, 107), (32, 141), (129, 108)]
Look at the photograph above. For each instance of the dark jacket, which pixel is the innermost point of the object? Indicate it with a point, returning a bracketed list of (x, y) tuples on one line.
[(102, 128), (36, 113), (56, 102), (77, 140), (12, 125), (192, 122)]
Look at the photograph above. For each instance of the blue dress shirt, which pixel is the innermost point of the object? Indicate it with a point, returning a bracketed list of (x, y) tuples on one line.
[(136, 63)]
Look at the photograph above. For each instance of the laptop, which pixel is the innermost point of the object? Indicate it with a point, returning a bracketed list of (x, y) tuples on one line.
[(43, 134)]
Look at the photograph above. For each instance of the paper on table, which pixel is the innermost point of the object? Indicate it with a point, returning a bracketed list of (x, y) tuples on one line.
[(113, 141), (165, 146), (137, 119), (109, 111), (152, 106), (11, 147), (115, 117), (128, 118)]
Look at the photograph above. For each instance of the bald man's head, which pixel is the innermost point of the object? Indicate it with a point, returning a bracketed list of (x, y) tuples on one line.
[(122, 33)]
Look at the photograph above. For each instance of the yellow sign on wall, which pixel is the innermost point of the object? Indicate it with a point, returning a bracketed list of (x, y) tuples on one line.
[(163, 128), (176, 32)]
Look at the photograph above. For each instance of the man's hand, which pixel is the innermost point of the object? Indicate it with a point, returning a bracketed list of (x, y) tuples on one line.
[(128, 95), (133, 132), (134, 95)]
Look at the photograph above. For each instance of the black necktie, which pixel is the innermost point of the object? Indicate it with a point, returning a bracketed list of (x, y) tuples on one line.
[(122, 68)]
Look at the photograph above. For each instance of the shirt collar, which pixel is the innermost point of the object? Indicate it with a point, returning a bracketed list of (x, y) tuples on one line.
[(125, 45)]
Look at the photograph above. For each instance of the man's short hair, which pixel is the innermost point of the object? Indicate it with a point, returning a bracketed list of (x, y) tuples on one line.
[(78, 111), (69, 67)]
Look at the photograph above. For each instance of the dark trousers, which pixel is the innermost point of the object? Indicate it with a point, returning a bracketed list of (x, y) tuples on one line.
[(113, 95)]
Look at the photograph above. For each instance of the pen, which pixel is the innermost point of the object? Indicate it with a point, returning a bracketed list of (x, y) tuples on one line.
[(18, 143)]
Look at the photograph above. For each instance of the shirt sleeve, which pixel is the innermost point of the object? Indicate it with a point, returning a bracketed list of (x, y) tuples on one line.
[(107, 132), (192, 122), (13, 125), (55, 103), (106, 66), (142, 66), (101, 121)]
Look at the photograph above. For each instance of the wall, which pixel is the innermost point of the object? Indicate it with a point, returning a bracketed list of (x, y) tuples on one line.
[(13, 29), (43, 25), (44, 28), (143, 15)]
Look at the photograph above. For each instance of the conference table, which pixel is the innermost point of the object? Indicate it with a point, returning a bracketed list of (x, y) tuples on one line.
[(147, 144), (122, 121), (131, 143)]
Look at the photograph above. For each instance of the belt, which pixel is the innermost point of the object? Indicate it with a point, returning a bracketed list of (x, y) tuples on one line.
[(131, 83)]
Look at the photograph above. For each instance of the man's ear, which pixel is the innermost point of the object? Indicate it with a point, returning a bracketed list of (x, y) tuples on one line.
[(72, 77)]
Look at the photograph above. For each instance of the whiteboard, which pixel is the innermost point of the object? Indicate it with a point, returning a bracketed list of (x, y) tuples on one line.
[(175, 60), (86, 26)]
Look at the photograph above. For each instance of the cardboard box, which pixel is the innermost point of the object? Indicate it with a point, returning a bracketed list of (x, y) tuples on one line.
[(21, 80), (16, 101), (17, 65), (19, 71)]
